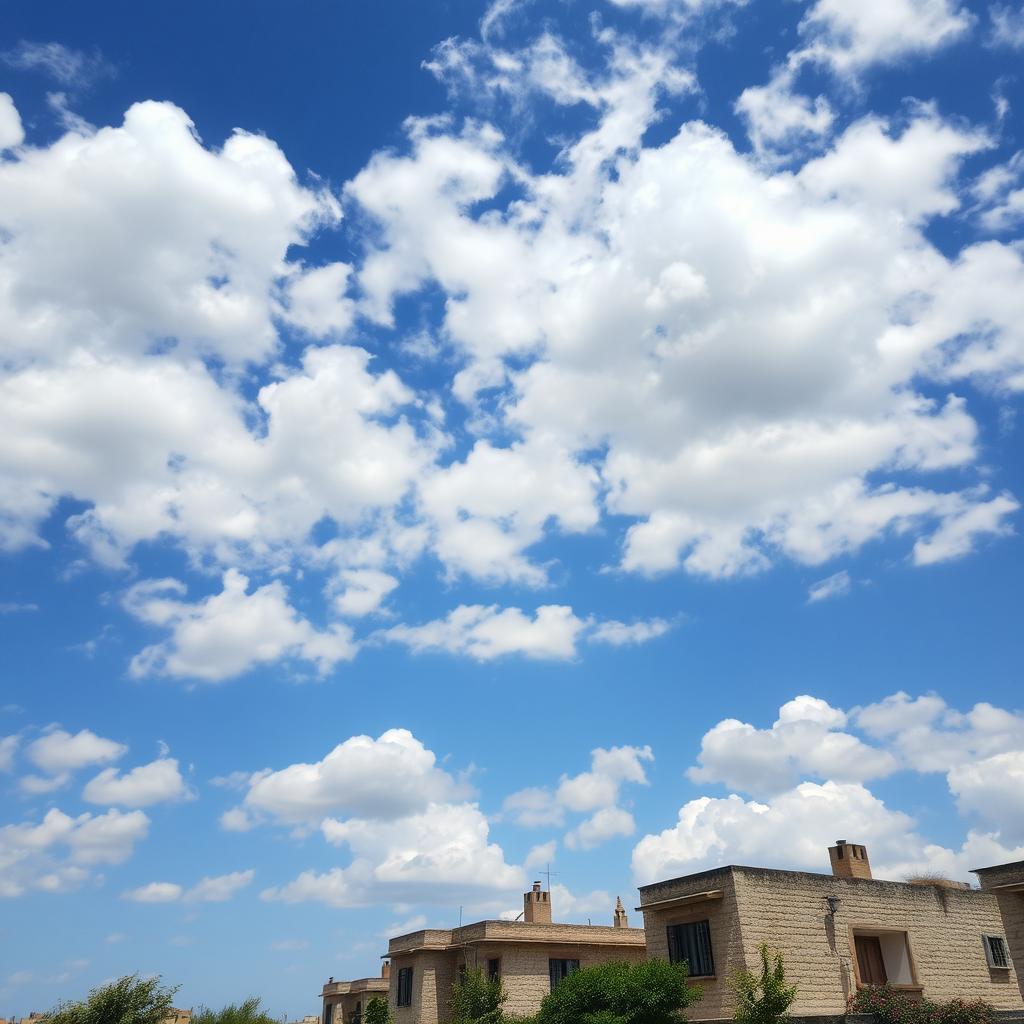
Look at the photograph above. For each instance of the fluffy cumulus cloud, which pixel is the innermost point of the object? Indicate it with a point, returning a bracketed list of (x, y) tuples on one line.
[(59, 753), (792, 820), (224, 635), (706, 359), (595, 793), (383, 778), (152, 783), (807, 739), (58, 852), (428, 857)]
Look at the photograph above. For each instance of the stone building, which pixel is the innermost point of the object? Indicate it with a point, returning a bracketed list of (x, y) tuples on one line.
[(837, 932), (345, 1001), (529, 956), (1005, 882)]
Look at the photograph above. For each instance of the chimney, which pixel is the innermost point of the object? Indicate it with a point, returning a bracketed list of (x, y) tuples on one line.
[(537, 906), (385, 969), (620, 920), (849, 860)]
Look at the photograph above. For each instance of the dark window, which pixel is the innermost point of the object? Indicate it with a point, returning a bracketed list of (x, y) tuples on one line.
[(870, 962), (995, 951), (329, 1013), (405, 986), (559, 969), (494, 970), (692, 943)]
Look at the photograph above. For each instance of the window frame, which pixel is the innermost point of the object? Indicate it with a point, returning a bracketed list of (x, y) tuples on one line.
[(986, 941), (494, 968), (404, 985), (914, 985), (564, 974), (672, 945)]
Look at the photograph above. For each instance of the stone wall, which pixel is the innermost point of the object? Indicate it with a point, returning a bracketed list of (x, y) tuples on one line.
[(1011, 909)]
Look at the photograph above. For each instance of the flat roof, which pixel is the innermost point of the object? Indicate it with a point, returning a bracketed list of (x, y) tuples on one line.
[(994, 867)]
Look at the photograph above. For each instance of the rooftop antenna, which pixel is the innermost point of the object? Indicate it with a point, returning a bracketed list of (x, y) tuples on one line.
[(547, 872)]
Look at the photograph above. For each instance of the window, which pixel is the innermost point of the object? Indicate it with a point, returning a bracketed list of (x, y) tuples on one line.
[(870, 962), (329, 1013), (692, 943), (882, 956), (405, 986), (559, 969), (494, 970), (995, 951)]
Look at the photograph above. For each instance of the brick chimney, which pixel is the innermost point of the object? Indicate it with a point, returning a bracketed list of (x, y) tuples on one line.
[(385, 969), (620, 919), (849, 860), (537, 906)]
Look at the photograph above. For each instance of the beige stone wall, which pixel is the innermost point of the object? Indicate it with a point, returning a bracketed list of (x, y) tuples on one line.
[(1011, 910), (432, 977), (524, 967), (724, 923), (944, 928), (787, 910)]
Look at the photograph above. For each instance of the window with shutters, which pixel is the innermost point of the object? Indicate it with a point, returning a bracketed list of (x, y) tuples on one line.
[(405, 986), (692, 943), (995, 952), (882, 956), (559, 969), (329, 1013)]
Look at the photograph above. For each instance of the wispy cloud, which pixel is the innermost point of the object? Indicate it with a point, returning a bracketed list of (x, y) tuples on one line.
[(71, 68), (836, 585)]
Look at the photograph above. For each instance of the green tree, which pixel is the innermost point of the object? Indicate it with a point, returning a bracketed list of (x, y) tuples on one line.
[(247, 1012), (763, 998), (129, 1000), (476, 999), (649, 992), (377, 1011)]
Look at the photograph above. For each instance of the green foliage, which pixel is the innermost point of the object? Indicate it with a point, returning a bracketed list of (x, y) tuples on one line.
[(763, 998), (649, 992), (377, 1011), (476, 999), (893, 1006), (248, 1012), (129, 1000)]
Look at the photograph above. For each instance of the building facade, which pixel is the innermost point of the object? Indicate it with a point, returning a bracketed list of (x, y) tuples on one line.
[(529, 956), (1005, 883), (345, 1001), (836, 933)]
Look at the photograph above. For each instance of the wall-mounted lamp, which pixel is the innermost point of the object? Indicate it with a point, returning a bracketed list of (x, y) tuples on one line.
[(833, 904)]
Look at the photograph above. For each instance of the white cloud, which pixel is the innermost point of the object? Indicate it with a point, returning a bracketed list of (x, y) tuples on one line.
[(433, 857), (151, 783), (1007, 25), (806, 739), (316, 302), (619, 634), (992, 791), (229, 633), (595, 792), (68, 66), (853, 36), (384, 778), (836, 585), (486, 632), (779, 118), (11, 132), (55, 855), (8, 748), (363, 591), (155, 892), (59, 751), (540, 855), (215, 889), (601, 826)]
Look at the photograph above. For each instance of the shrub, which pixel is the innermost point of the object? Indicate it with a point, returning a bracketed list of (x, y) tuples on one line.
[(764, 998), (129, 1000), (247, 1012), (892, 1006), (476, 999), (650, 992), (377, 1011)]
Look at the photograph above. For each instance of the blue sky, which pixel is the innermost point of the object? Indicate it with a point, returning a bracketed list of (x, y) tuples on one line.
[(438, 441)]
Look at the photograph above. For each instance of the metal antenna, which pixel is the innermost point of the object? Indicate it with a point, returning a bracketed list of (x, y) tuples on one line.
[(547, 872)]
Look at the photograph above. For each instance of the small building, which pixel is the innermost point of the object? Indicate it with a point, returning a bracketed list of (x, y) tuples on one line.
[(837, 932), (530, 957), (1005, 882), (345, 1001)]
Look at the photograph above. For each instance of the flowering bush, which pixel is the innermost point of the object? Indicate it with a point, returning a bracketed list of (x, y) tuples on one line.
[(893, 1006)]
